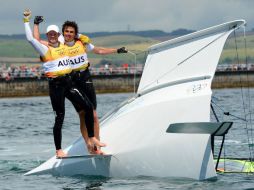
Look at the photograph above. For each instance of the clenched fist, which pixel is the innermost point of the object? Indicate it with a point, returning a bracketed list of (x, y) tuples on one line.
[(27, 15)]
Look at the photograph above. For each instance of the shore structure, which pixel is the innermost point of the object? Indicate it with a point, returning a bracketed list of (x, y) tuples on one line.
[(116, 83)]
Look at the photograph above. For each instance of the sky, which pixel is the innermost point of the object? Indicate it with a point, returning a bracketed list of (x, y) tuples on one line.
[(123, 15)]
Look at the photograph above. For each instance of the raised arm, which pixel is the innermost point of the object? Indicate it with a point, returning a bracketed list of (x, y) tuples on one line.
[(36, 31), (104, 51), (99, 50), (39, 47)]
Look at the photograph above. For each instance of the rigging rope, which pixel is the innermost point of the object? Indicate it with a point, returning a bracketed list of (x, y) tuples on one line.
[(248, 91), (243, 102), (134, 74), (228, 113), (135, 67), (246, 121)]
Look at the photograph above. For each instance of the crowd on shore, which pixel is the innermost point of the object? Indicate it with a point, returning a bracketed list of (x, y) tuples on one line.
[(28, 71), (235, 67)]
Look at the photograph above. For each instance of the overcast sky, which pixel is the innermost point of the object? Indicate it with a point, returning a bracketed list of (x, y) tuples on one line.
[(120, 15)]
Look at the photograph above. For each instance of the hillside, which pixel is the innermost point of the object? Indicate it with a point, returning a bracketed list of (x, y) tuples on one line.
[(20, 48), (20, 51), (229, 54)]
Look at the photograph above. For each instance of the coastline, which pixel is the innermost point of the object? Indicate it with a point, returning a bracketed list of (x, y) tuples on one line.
[(112, 83)]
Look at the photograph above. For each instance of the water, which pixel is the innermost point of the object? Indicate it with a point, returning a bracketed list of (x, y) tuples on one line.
[(26, 141)]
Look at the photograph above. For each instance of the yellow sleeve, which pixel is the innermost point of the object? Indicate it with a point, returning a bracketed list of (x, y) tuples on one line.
[(84, 39)]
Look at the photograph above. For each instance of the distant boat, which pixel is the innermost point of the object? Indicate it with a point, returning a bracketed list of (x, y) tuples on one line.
[(165, 130)]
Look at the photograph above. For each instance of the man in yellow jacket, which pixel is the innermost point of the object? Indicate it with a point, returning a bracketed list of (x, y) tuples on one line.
[(78, 46), (57, 68)]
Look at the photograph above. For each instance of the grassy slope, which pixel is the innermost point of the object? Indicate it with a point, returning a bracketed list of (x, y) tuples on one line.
[(16, 48), (133, 43), (21, 48), (230, 52)]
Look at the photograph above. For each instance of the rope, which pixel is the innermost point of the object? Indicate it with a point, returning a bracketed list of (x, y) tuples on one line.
[(248, 86), (134, 74), (243, 102), (135, 67), (228, 113)]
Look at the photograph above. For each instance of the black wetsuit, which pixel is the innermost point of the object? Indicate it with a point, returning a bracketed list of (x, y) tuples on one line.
[(84, 83), (56, 63), (62, 87)]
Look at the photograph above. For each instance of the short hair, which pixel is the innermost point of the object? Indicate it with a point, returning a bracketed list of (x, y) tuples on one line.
[(71, 24)]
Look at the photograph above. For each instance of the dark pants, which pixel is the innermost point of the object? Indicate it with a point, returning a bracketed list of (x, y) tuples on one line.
[(83, 81), (62, 87)]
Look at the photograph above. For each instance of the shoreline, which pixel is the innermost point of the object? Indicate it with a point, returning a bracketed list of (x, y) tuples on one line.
[(123, 83)]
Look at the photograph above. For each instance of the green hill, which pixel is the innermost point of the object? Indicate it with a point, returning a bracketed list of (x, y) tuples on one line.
[(229, 53), (134, 44), (16, 48), (20, 48)]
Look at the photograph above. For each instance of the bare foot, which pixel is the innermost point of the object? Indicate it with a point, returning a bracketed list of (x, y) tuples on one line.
[(96, 142), (98, 151), (89, 146), (60, 153)]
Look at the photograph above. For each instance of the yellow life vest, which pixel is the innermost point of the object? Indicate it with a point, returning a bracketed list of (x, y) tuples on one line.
[(78, 56), (56, 61)]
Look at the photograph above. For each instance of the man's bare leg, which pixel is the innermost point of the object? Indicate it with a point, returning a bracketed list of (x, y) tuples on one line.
[(60, 153), (96, 125), (97, 149), (83, 131), (93, 141)]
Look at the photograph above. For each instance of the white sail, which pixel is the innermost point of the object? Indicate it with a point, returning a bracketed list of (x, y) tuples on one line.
[(175, 88)]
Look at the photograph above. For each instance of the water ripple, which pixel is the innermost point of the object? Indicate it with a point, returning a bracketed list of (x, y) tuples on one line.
[(27, 141)]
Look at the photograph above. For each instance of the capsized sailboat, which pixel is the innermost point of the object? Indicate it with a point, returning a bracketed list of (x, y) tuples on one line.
[(165, 129)]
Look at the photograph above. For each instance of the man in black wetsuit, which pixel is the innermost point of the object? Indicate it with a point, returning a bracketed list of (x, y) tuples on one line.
[(78, 46), (57, 68), (78, 49)]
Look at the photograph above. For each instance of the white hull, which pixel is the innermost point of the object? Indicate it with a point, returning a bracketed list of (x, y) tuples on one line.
[(155, 152), (136, 132)]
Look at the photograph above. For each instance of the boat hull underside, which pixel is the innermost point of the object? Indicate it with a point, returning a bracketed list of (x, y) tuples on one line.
[(147, 149)]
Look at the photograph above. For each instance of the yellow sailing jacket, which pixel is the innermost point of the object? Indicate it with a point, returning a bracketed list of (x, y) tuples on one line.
[(78, 56), (56, 61)]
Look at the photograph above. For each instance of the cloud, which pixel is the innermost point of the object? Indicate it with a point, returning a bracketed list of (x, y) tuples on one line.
[(118, 15)]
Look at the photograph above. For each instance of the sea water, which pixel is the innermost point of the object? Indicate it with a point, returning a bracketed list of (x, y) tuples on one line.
[(26, 141)]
